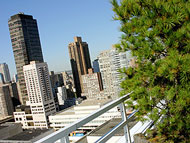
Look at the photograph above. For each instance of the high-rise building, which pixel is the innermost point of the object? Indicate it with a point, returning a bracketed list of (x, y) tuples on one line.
[(110, 61), (80, 62), (26, 46), (14, 93), (96, 66), (6, 105), (40, 95), (4, 70), (69, 83), (92, 84), (65, 77), (56, 79), (61, 95)]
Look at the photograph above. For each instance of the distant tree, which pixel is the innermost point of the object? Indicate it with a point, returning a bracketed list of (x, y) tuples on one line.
[(157, 32)]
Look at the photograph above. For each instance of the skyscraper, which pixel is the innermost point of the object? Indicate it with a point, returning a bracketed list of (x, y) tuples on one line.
[(92, 84), (40, 95), (61, 94), (80, 62), (6, 105), (26, 46), (110, 61), (96, 66), (4, 70)]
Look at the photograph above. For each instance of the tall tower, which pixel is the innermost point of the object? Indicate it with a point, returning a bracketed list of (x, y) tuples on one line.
[(26, 46), (92, 85), (110, 61), (80, 62), (4, 70), (40, 94), (96, 66), (6, 105)]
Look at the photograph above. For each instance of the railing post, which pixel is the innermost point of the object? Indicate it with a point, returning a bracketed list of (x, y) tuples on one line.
[(124, 118), (65, 139)]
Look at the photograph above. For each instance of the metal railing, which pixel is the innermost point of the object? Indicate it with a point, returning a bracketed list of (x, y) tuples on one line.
[(63, 133)]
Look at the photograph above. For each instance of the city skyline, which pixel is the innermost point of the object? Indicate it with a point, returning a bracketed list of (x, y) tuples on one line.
[(58, 27)]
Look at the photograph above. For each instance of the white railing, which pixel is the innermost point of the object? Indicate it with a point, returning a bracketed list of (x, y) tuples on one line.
[(63, 133)]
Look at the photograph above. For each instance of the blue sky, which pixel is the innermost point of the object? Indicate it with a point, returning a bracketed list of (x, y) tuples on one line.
[(58, 22)]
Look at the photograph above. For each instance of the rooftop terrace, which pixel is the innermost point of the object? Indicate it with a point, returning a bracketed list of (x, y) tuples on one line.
[(71, 111)]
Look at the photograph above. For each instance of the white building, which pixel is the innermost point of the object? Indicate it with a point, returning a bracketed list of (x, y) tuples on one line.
[(5, 72), (66, 117), (41, 100), (110, 61), (61, 95)]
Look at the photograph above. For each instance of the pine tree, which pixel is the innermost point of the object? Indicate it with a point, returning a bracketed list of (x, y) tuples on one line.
[(157, 32)]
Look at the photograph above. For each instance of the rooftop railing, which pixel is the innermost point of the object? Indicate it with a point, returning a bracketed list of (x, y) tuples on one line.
[(63, 134)]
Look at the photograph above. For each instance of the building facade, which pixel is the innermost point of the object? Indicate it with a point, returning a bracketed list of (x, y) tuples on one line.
[(40, 95), (71, 115), (61, 95), (80, 62), (14, 93), (26, 46), (6, 105), (110, 61), (96, 65), (69, 83), (56, 79), (92, 85), (68, 80), (4, 70)]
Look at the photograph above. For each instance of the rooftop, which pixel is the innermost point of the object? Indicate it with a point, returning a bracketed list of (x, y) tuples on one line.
[(1, 127), (21, 16), (89, 102), (71, 111), (106, 127), (28, 135)]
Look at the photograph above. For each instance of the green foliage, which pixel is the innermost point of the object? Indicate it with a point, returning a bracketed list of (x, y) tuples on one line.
[(157, 32)]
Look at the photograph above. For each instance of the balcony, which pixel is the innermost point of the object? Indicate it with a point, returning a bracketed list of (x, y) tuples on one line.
[(62, 135)]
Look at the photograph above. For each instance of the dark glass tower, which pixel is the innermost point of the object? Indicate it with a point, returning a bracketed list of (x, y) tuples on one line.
[(26, 46), (80, 62), (96, 66)]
